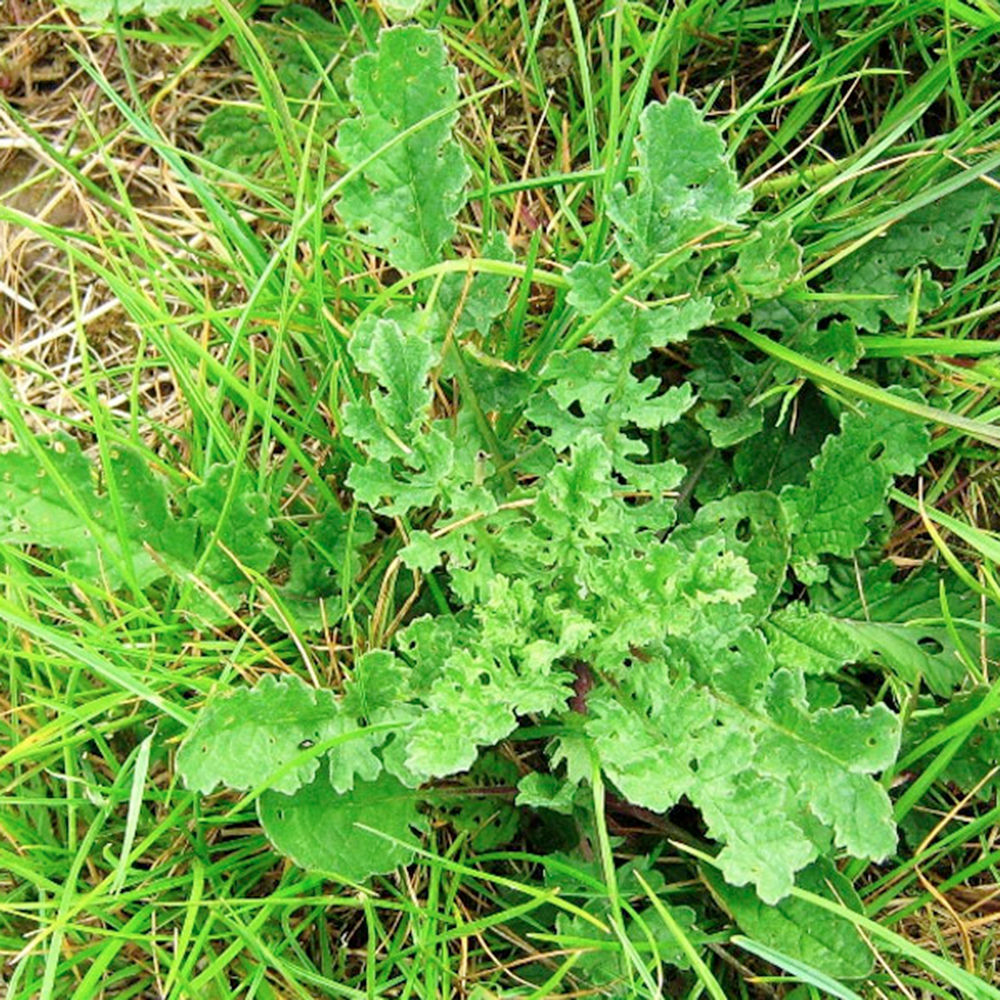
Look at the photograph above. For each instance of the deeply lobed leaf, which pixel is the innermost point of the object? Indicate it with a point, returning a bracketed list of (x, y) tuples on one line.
[(410, 171), (256, 734), (685, 186), (850, 478)]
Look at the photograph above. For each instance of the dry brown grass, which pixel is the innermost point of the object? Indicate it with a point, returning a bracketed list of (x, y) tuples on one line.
[(66, 159)]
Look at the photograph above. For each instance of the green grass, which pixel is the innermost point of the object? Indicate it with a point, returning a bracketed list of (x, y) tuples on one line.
[(239, 295)]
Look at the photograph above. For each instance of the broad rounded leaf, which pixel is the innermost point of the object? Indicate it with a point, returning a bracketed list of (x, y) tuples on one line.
[(321, 830), (797, 928)]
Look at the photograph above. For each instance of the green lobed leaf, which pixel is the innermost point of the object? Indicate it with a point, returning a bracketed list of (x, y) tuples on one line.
[(850, 478), (404, 201), (891, 624), (241, 740), (769, 264), (546, 791), (402, 10), (740, 741), (978, 755), (832, 342), (685, 186), (98, 11), (62, 510), (755, 527), (409, 460), (723, 376), (781, 454), (914, 650), (885, 269), (478, 803), (603, 962), (596, 392), (473, 301), (400, 361), (710, 474)]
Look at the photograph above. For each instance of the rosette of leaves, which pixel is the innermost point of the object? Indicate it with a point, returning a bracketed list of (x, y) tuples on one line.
[(580, 569), (688, 700)]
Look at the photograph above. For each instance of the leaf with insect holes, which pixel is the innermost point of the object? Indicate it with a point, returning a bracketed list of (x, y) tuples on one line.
[(880, 277), (725, 377), (258, 734), (365, 832), (887, 623), (834, 343), (769, 264), (850, 478), (755, 527), (59, 508), (147, 505), (685, 188), (476, 804), (411, 172), (99, 11)]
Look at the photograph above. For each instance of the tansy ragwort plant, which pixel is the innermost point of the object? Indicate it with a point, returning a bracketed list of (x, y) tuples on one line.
[(673, 659), (636, 564)]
